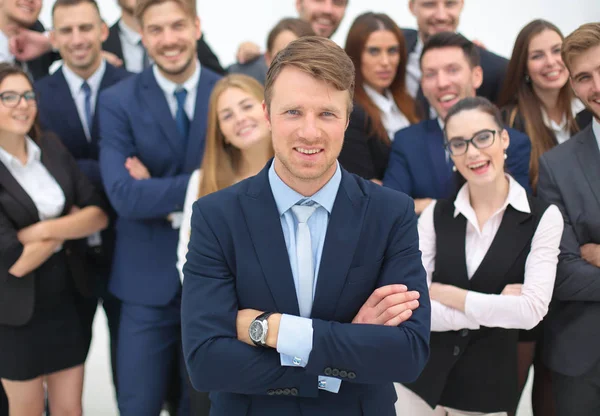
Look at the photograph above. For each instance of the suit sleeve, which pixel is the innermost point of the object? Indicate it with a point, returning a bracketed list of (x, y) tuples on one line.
[(215, 359), (10, 246), (135, 199), (397, 175), (576, 279), (375, 353), (519, 153)]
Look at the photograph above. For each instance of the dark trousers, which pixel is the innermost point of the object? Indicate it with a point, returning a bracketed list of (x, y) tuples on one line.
[(199, 401), (149, 338), (577, 396)]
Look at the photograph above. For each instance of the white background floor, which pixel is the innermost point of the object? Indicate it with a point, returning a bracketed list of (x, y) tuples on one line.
[(98, 394)]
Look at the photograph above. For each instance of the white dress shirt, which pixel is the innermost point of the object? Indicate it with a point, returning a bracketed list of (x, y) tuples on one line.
[(504, 311), (185, 230), (36, 181), (391, 116), (561, 131), (169, 87), (75, 83), (133, 50), (596, 130), (413, 69), (5, 55)]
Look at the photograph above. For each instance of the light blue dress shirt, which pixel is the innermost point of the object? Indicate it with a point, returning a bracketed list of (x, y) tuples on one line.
[(295, 339)]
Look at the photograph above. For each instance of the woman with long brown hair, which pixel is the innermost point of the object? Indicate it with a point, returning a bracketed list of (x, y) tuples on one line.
[(382, 105), (47, 205), (238, 145), (537, 100)]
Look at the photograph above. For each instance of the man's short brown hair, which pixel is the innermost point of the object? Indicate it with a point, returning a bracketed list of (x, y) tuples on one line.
[(319, 57), (188, 6), (65, 3), (582, 39)]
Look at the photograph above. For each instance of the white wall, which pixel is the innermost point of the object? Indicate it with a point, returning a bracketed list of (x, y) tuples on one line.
[(494, 22)]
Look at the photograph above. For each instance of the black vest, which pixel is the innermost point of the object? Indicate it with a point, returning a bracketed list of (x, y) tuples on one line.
[(477, 370)]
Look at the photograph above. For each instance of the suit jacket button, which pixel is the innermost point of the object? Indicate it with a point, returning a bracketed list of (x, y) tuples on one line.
[(456, 351), (351, 375), (279, 392), (335, 372), (464, 332), (343, 374), (327, 371), (286, 392), (270, 392), (294, 391)]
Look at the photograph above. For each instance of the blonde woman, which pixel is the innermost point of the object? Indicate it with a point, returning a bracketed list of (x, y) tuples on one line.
[(238, 145)]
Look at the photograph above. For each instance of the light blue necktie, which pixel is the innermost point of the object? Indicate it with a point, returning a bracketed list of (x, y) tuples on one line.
[(304, 258), (181, 118), (88, 105)]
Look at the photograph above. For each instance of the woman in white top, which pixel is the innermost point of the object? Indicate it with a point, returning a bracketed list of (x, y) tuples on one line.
[(382, 105), (238, 145), (490, 256)]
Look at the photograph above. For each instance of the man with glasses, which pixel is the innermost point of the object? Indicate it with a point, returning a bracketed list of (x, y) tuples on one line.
[(419, 164)]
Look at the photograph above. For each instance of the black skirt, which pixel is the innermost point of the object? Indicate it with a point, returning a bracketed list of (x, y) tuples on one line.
[(53, 340)]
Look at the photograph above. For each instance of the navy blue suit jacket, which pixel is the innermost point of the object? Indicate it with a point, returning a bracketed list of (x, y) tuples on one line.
[(418, 164), (135, 120), (238, 259)]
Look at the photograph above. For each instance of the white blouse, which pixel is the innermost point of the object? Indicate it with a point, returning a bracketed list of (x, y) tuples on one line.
[(504, 311), (185, 230), (391, 116), (561, 131), (46, 194)]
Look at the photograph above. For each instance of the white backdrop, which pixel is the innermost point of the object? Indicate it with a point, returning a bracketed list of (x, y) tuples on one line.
[(226, 23)]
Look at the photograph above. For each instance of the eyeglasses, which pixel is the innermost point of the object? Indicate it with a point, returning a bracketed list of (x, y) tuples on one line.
[(11, 99), (481, 140)]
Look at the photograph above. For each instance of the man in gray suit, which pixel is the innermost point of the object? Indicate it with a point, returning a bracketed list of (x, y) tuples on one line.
[(570, 178)]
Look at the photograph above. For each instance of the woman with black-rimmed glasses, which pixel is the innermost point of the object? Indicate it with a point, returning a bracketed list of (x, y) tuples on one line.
[(46, 207), (490, 254)]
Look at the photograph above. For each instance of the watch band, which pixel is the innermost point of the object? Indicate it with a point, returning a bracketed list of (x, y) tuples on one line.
[(262, 317)]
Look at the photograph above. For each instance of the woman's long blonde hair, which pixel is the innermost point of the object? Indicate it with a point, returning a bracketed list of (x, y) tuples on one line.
[(221, 160)]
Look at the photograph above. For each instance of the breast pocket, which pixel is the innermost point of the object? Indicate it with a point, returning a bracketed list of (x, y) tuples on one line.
[(360, 284)]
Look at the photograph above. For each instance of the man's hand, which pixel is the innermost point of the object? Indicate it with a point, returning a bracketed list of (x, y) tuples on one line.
[(27, 44), (136, 168), (591, 253), (247, 51), (112, 59), (245, 318), (421, 204), (388, 305), (451, 296), (512, 290)]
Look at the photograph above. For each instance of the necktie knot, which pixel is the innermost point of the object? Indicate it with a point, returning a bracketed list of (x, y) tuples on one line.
[(180, 95), (85, 87), (303, 212)]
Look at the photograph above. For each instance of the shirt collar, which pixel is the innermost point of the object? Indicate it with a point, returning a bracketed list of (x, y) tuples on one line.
[(517, 198), (596, 130), (131, 36), (419, 45), (169, 86), (75, 82), (33, 153), (286, 197), (385, 103)]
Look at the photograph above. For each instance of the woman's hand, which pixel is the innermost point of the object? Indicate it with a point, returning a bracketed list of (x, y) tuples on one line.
[(451, 296), (136, 168)]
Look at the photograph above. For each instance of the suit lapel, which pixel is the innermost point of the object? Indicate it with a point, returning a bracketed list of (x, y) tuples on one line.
[(196, 139), (8, 182), (55, 166), (437, 155), (264, 224), (113, 42), (68, 111), (341, 239), (154, 97), (588, 155)]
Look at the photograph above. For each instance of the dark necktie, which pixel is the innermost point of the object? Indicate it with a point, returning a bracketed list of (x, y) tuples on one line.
[(88, 105), (181, 118), (145, 58)]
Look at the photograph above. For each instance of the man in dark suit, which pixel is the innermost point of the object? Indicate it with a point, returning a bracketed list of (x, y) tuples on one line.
[(66, 107), (419, 164), (124, 41), (435, 16), (155, 120), (570, 179), (327, 255)]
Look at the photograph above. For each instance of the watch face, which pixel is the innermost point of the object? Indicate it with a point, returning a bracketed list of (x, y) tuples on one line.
[(256, 331)]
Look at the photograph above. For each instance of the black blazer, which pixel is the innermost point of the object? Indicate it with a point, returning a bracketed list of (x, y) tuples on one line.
[(18, 211), (494, 71), (206, 56), (363, 154)]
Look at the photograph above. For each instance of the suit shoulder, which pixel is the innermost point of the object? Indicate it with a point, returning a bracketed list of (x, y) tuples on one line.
[(382, 197), (564, 151), (222, 201), (491, 58), (123, 88), (210, 75), (412, 133)]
